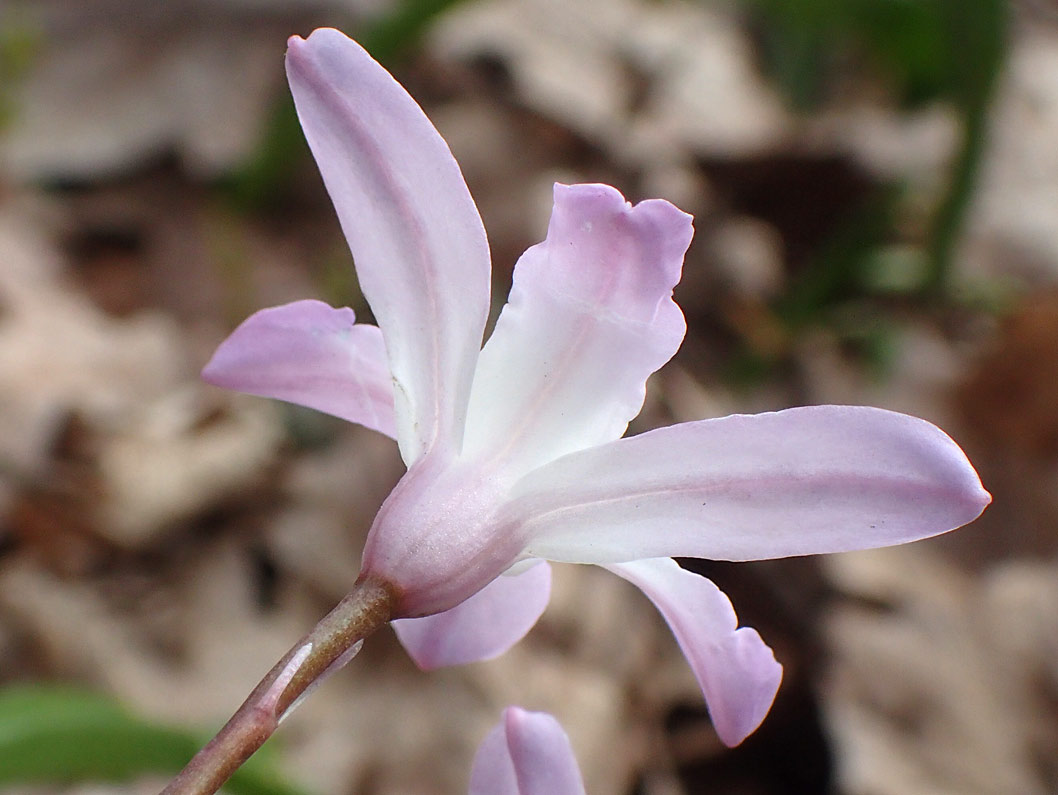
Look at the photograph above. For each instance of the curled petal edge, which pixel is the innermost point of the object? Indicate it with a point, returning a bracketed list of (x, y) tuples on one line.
[(590, 316), (736, 670)]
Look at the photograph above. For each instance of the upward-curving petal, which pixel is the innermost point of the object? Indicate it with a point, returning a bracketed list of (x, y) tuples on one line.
[(749, 487), (420, 250), (528, 753), (737, 672), (589, 318), (311, 354)]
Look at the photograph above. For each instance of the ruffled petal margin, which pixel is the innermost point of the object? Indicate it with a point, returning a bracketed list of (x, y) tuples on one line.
[(589, 318)]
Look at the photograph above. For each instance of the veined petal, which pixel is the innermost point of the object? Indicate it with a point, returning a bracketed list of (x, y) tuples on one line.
[(527, 753), (736, 670), (589, 318), (420, 250), (749, 487), (313, 355), (484, 626)]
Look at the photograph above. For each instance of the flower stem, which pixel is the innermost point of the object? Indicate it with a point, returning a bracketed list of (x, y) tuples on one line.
[(329, 645)]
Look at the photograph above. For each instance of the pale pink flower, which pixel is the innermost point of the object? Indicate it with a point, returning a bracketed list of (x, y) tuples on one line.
[(526, 753), (514, 451)]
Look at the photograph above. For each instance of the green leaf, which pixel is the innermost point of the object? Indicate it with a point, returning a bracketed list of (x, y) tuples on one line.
[(59, 735)]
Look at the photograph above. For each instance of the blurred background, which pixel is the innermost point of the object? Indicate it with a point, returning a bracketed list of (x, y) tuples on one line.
[(875, 187)]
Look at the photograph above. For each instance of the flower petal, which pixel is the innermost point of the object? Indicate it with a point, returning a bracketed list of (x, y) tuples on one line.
[(420, 249), (313, 355), (589, 318), (527, 753), (484, 626), (737, 672), (749, 487)]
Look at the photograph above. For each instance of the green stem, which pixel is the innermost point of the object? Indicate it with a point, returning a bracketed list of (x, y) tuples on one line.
[(330, 644)]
